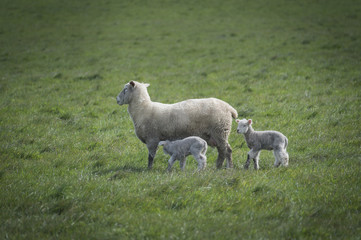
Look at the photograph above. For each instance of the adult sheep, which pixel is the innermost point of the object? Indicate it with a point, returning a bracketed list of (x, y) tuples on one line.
[(210, 119)]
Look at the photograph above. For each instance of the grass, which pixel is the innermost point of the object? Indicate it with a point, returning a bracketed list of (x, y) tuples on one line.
[(72, 167)]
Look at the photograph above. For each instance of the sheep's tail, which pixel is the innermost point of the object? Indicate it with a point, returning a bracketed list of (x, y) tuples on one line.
[(233, 112)]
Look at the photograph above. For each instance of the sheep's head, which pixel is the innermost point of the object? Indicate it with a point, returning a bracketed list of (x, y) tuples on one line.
[(132, 90), (243, 125), (124, 96)]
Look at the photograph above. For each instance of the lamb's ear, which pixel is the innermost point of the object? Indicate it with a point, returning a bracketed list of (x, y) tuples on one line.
[(249, 121), (132, 83), (146, 84), (237, 120)]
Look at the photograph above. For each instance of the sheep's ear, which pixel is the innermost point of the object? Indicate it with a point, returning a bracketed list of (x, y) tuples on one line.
[(237, 120), (161, 143), (249, 121), (132, 83), (146, 84)]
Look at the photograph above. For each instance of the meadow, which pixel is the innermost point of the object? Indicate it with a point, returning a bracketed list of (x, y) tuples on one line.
[(71, 166)]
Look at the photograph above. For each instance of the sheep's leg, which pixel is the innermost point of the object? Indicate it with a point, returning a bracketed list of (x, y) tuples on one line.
[(229, 156), (150, 161), (152, 149), (224, 151), (221, 156), (171, 162), (182, 163)]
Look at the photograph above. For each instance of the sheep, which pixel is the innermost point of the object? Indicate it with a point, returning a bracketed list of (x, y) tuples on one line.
[(263, 140), (209, 119), (180, 149)]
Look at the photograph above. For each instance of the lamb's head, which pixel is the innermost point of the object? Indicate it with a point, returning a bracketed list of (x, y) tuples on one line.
[(243, 125), (164, 144), (133, 90)]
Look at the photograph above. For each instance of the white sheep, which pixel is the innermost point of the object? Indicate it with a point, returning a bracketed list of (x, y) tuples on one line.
[(180, 149), (210, 119), (259, 140)]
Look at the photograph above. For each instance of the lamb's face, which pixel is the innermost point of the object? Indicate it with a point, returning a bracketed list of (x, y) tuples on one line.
[(243, 126), (125, 95), (164, 144)]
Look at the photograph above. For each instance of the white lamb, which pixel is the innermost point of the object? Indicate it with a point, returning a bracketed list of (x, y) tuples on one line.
[(259, 140), (180, 149), (208, 118)]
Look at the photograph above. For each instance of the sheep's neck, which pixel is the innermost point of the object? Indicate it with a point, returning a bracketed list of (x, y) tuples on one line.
[(136, 108)]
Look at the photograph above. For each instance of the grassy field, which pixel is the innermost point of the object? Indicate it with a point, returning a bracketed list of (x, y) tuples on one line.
[(71, 166)]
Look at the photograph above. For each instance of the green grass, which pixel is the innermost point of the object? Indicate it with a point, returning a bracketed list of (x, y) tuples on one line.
[(71, 166)]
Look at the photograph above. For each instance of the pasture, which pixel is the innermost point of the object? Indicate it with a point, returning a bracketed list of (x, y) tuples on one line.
[(71, 166)]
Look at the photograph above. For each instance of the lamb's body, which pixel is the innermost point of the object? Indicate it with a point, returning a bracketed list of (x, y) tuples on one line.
[(180, 149), (210, 119), (263, 140)]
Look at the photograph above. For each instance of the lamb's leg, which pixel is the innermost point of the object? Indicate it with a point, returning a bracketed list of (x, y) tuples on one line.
[(252, 154), (171, 162), (202, 161), (204, 157), (204, 150), (256, 161), (246, 165), (182, 164), (286, 159), (278, 158), (283, 157), (198, 152)]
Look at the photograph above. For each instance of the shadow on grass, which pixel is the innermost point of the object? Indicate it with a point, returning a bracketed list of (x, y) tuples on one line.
[(126, 168), (120, 172)]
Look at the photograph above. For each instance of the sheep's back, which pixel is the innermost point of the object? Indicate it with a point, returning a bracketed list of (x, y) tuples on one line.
[(191, 117)]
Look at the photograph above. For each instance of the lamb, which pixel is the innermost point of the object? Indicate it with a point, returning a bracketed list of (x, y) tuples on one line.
[(267, 140), (180, 149), (209, 119)]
